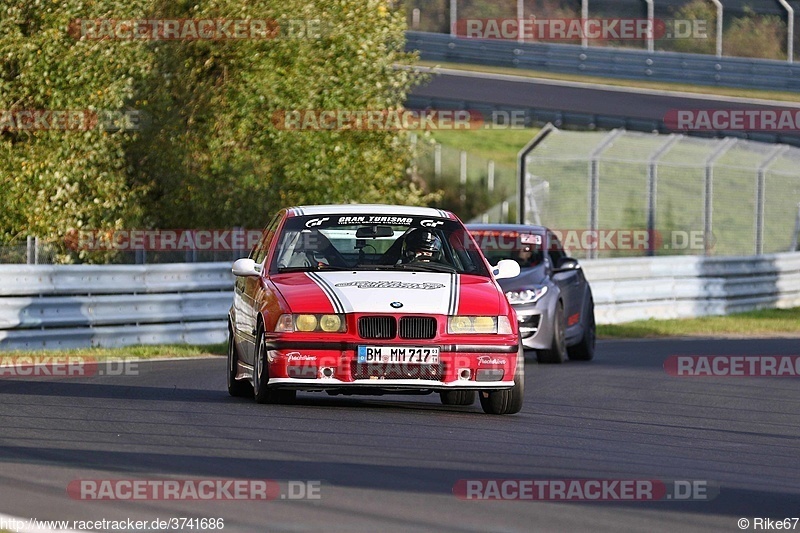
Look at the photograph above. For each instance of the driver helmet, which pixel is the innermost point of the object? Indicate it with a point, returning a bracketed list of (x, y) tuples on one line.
[(423, 245)]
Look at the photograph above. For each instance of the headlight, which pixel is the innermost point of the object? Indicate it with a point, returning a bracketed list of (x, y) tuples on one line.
[(528, 296), (307, 323), (478, 324)]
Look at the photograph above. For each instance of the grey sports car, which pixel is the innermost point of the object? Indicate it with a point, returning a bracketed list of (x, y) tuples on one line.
[(551, 296)]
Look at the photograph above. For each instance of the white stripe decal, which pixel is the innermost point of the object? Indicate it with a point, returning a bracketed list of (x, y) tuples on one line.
[(332, 298)]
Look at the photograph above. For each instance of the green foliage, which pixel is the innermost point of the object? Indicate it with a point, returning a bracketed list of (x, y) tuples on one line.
[(209, 153), (748, 35)]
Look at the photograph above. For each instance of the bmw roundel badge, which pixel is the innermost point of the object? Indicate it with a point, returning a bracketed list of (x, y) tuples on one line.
[(396, 305)]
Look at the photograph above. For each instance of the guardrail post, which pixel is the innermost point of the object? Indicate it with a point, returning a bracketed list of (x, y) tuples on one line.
[(652, 189), (760, 195)]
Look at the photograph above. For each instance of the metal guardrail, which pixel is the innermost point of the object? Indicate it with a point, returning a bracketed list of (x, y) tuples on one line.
[(58, 307), (620, 63), (77, 306), (691, 286)]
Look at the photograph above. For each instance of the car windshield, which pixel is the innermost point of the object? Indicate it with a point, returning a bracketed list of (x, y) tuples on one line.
[(376, 242), (527, 249)]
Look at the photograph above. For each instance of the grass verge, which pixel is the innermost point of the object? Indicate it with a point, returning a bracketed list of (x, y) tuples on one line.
[(766, 323), (657, 86), (137, 352)]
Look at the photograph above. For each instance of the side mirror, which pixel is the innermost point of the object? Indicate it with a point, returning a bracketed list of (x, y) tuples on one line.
[(506, 268), (246, 267), (566, 264)]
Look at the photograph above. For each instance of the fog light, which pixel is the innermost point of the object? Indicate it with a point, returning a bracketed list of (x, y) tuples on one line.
[(464, 374), (489, 374), (302, 371)]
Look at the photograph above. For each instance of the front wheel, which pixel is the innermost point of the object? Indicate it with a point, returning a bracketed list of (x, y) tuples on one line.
[(236, 388), (507, 402), (557, 352), (457, 397), (261, 390)]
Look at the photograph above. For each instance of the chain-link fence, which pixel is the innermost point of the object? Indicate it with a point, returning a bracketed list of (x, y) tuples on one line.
[(624, 193)]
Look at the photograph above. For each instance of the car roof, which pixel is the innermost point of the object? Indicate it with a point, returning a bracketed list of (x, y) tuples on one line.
[(372, 209), (519, 228)]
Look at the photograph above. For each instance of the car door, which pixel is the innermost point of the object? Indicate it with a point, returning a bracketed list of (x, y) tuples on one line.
[(247, 294), (569, 282)]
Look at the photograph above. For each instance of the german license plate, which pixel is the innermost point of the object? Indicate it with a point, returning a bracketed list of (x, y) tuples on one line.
[(410, 355)]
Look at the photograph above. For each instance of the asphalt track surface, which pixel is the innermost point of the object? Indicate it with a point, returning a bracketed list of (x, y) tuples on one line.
[(517, 92), (390, 463)]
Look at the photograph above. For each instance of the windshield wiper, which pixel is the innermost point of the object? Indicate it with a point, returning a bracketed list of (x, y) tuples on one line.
[(312, 268), (427, 267)]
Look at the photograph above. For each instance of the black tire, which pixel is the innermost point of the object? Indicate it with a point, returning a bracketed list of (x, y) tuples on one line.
[(509, 401), (236, 388), (584, 350), (457, 397), (557, 353), (261, 391)]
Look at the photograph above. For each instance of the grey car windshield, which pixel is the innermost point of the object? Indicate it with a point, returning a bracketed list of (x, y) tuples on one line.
[(527, 249)]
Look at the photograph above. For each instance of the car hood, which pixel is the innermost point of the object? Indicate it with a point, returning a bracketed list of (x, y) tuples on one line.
[(389, 292), (529, 277)]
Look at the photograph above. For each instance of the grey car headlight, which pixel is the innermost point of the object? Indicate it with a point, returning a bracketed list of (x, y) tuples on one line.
[(527, 296)]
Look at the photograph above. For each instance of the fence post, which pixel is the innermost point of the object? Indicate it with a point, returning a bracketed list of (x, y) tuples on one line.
[(415, 18), (491, 176), (594, 185), (437, 162), (708, 193), (720, 11), (463, 178), (453, 17), (652, 190), (760, 195), (521, 169), (29, 252)]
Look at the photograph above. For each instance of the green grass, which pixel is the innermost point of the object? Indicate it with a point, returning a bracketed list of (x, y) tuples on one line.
[(138, 352), (659, 86), (501, 145), (766, 323)]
